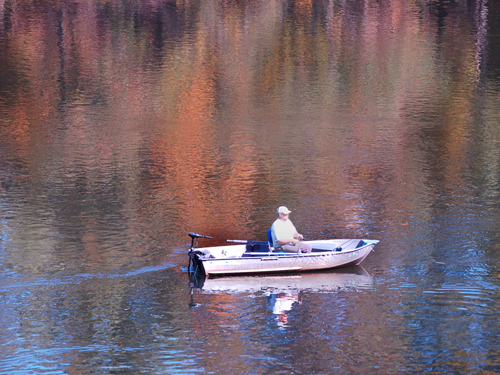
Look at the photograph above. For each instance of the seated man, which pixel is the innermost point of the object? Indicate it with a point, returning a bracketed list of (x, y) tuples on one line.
[(285, 236)]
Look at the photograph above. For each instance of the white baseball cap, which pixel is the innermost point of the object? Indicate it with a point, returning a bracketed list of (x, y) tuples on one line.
[(283, 210)]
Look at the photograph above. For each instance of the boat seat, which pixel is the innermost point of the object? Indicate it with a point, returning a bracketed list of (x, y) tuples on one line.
[(270, 239), (319, 250), (360, 243), (249, 248), (255, 249)]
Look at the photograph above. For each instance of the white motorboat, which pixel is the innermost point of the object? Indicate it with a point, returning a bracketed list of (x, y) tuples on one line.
[(248, 257)]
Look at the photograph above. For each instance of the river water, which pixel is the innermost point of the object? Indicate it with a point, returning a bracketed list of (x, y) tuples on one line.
[(125, 125)]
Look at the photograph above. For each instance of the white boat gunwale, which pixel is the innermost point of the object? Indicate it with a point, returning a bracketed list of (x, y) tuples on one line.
[(274, 254)]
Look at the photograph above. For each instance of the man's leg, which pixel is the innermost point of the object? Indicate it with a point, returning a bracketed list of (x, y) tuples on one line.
[(291, 248), (296, 248), (305, 247)]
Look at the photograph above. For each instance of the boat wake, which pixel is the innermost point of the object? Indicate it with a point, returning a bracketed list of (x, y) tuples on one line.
[(79, 278)]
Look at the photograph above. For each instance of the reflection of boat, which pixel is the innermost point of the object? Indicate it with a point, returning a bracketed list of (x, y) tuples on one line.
[(319, 282), (259, 257)]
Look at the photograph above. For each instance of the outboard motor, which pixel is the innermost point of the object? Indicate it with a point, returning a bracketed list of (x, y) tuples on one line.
[(196, 235), (192, 252)]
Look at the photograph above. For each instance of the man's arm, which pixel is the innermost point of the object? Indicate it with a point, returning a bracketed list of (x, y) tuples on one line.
[(287, 241), (297, 237)]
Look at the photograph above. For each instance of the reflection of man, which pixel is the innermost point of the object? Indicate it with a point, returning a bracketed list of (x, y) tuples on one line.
[(284, 302), (285, 236)]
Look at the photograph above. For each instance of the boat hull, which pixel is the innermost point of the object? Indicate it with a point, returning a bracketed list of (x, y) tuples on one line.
[(226, 260)]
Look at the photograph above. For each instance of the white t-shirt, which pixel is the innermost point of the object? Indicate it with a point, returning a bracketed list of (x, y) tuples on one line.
[(284, 303), (282, 230)]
